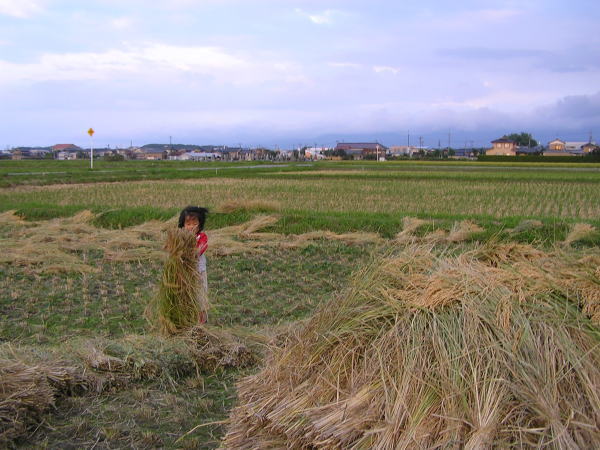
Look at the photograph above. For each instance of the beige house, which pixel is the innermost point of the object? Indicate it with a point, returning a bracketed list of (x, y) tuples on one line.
[(557, 145), (503, 147)]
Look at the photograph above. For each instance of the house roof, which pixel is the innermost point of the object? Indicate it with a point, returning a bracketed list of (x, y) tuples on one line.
[(61, 147), (503, 140)]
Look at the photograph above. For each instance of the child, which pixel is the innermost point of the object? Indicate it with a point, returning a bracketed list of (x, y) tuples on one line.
[(192, 219)]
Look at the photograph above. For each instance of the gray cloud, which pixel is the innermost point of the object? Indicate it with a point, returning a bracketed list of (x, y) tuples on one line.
[(586, 107)]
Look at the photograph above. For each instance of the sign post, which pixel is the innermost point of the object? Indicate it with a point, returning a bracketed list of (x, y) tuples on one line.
[(91, 133)]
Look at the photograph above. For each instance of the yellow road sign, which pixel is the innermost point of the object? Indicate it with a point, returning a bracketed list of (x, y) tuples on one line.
[(91, 132)]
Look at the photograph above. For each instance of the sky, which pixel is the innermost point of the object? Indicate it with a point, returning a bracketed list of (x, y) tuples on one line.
[(282, 73)]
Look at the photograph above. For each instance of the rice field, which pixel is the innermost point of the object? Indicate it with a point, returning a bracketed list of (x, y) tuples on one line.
[(81, 258), (343, 194)]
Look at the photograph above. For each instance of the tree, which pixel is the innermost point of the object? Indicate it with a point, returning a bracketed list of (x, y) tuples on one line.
[(522, 139)]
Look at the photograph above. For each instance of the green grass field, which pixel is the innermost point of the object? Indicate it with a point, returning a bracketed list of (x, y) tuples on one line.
[(45, 314)]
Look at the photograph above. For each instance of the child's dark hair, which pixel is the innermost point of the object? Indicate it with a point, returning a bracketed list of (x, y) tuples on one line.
[(195, 211)]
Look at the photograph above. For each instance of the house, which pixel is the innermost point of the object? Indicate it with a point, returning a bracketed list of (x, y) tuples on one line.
[(64, 156), (230, 153), (589, 147), (503, 147), (39, 153), (315, 153), (403, 150), (151, 153), (198, 156), (460, 153), (362, 150), (557, 145), (572, 146)]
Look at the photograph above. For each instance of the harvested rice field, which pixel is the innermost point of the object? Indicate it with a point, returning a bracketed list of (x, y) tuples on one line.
[(351, 306)]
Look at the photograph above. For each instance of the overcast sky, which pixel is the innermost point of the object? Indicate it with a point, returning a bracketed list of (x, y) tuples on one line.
[(281, 72)]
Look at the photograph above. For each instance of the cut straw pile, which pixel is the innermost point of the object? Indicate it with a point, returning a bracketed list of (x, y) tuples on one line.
[(431, 347), (59, 245), (55, 246), (176, 307), (28, 391)]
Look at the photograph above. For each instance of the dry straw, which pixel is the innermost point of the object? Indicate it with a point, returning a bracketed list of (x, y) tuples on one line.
[(432, 347), (578, 232), (464, 230), (29, 391), (180, 297), (56, 245), (59, 245)]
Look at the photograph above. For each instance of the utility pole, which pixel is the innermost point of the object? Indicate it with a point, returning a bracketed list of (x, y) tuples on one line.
[(449, 140)]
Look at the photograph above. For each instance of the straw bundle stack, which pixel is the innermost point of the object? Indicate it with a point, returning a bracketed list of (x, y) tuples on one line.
[(176, 306), (28, 391), (434, 348)]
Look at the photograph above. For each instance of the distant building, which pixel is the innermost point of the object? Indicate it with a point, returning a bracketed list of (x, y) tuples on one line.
[(362, 150), (503, 147), (557, 145), (198, 156), (65, 147), (65, 156), (151, 153), (589, 147), (402, 150), (315, 152), (571, 146)]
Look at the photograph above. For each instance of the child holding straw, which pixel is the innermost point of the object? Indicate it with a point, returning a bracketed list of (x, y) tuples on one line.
[(192, 218)]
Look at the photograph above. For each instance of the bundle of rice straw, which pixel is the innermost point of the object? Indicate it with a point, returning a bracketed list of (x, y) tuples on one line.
[(28, 391), (213, 348), (434, 348), (178, 303)]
